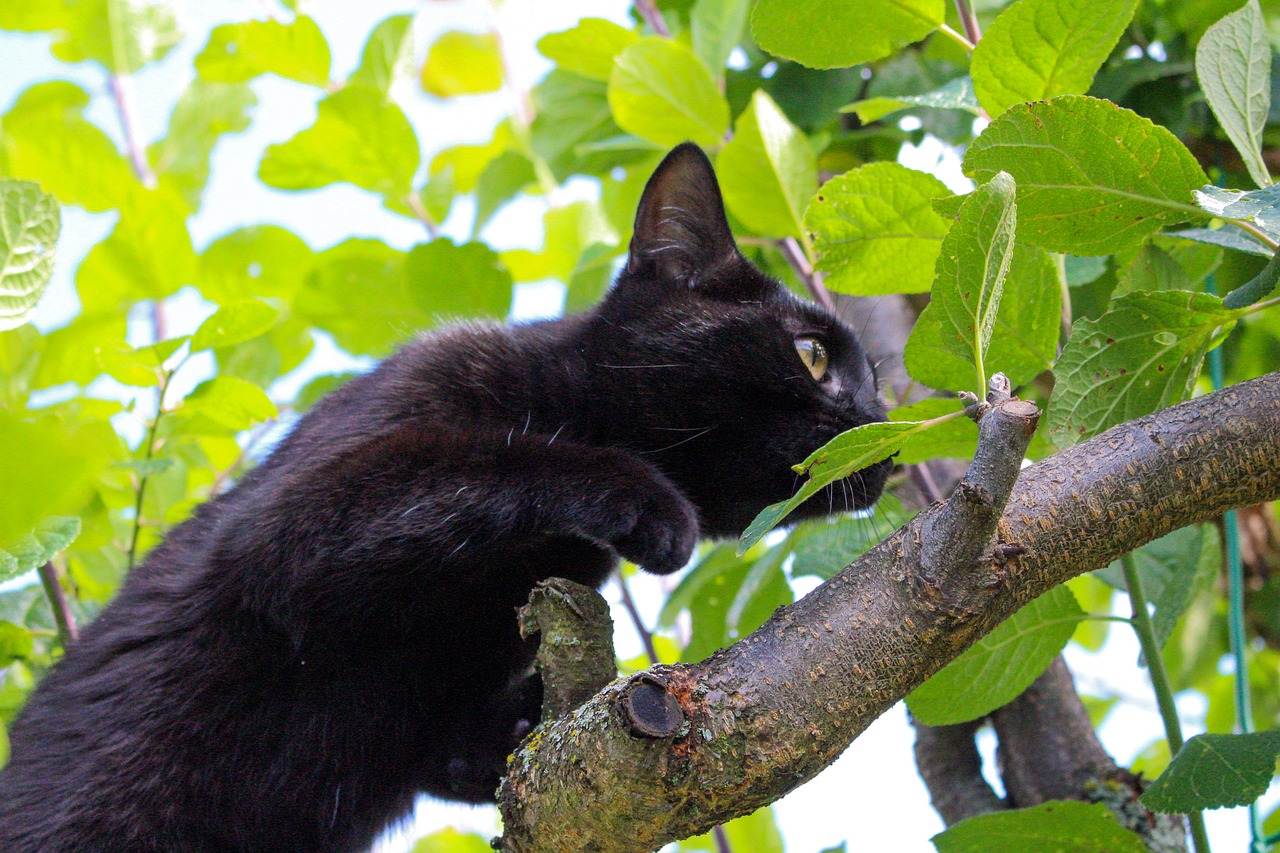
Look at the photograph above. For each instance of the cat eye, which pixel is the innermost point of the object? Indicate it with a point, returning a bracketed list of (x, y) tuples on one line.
[(814, 356)]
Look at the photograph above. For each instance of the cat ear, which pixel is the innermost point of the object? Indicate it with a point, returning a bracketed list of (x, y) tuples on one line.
[(681, 231)]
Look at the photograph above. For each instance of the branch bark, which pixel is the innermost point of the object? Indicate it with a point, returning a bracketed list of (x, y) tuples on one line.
[(771, 711)]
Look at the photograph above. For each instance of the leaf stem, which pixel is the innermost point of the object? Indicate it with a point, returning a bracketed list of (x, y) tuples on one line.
[(1256, 232), (420, 211), (629, 604), (62, 616), (956, 37), (1145, 630), (649, 11), (798, 260), (969, 20), (142, 479), (123, 98)]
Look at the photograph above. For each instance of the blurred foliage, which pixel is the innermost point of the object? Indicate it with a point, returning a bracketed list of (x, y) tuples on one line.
[(113, 429)]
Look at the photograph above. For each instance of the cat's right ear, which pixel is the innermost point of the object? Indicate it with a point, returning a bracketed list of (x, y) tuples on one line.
[(681, 232)]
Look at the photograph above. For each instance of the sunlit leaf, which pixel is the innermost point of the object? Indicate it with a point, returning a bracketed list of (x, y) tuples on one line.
[(34, 549), (29, 225), (588, 49), (203, 114), (234, 323), (1038, 49), (767, 171), (120, 35), (835, 34), (875, 230), (388, 55), (663, 93), (296, 50), (46, 139), (717, 26), (450, 282), (461, 63), (359, 137)]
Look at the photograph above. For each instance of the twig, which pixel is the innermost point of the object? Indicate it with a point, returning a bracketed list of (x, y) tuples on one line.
[(62, 616), (969, 20), (812, 278), (220, 481), (142, 479), (120, 93), (649, 11), (950, 33), (629, 604), (1145, 630), (420, 211)]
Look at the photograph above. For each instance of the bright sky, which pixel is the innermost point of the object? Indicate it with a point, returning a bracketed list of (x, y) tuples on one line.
[(872, 796)]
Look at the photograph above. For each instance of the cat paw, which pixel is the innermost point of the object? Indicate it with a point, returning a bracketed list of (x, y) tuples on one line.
[(664, 532)]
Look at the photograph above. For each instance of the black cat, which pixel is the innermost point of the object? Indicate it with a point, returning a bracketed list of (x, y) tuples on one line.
[(338, 632)]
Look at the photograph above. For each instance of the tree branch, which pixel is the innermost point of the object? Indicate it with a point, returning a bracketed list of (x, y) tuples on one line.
[(774, 709)]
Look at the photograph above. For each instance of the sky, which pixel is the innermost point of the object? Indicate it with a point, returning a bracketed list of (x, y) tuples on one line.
[(871, 796)]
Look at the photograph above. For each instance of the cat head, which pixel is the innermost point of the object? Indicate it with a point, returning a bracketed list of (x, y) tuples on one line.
[(716, 372)]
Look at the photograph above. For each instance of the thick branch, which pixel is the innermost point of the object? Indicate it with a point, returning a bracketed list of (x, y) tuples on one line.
[(773, 710), (951, 767)]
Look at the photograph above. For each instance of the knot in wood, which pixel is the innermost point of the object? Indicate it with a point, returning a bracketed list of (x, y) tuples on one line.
[(647, 709)]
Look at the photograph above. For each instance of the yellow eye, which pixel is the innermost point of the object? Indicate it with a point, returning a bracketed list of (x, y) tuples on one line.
[(814, 356)]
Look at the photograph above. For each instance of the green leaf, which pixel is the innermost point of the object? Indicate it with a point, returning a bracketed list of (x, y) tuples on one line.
[(1233, 65), (850, 451), (388, 55), (1052, 827), (235, 322), (1152, 268), (450, 840), (1142, 355), (663, 93), (1216, 771), (204, 113), (1001, 665), (1092, 177), (836, 34), (756, 832), (573, 112), (568, 232), (717, 27), (34, 549), (1259, 206), (1227, 237), (956, 437), (956, 94), (46, 139), (1174, 569), (358, 293), (1024, 340), (503, 177), (32, 16), (450, 282), (261, 260), (237, 53), (589, 48), (971, 270), (461, 63), (1038, 49), (227, 403), (767, 171), (359, 137), (1257, 288), (707, 591), (29, 225), (44, 470), (120, 35), (875, 231), (148, 254)]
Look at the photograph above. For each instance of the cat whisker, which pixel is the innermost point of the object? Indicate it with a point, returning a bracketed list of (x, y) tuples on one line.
[(637, 366), (680, 442), (557, 435), (527, 419)]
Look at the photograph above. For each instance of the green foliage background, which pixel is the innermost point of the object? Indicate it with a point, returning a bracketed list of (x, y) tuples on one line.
[(1089, 263)]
